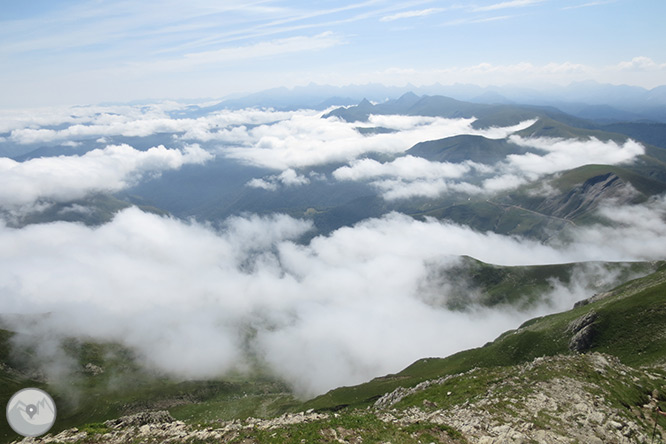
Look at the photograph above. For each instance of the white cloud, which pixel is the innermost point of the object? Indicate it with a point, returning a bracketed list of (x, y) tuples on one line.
[(82, 115), (486, 73), (565, 154), (503, 182), (641, 63), (407, 167), (410, 14), (636, 232), (289, 178), (470, 21), (264, 184), (339, 310), (589, 4), (264, 49), (393, 189), (70, 177), (507, 4), (101, 122), (306, 140), (408, 176)]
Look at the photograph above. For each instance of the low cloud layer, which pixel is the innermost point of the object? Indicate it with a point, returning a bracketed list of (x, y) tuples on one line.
[(65, 178), (566, 154), (408, 168), (408, 176), (295, 141), (308, 140), (289, 178), (62, 125), (193, 301)]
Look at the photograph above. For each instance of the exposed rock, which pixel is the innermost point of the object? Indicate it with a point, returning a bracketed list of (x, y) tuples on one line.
[(582, 341), (583, 330), (594, 298), (139, 419), (577, 324), (568, 410), (93, 369), (586, 197), (544, 401)]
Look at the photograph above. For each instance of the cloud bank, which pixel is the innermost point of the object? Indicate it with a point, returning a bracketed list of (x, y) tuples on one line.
[(66, 178), (408, 176), (193, 301)]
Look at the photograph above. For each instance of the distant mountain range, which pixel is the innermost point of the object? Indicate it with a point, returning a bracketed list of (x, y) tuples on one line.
[(588, 100), (219, 189)]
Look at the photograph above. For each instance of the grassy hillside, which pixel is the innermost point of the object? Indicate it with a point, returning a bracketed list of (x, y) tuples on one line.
[(630, 323), (466, 147), (106, 382)]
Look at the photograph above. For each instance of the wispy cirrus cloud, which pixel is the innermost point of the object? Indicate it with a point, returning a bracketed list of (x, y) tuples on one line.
[(589, 4), (226, 55), (472, 20), (507, 5), (411, 14)]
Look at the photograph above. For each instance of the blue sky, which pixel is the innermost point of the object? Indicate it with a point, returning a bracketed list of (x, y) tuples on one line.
[(86, 51)]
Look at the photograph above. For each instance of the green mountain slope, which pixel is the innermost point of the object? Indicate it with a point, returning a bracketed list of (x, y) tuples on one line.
[(465, 147), (626, 323)]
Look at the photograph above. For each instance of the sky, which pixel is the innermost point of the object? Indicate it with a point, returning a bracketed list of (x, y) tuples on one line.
[(91, 51)]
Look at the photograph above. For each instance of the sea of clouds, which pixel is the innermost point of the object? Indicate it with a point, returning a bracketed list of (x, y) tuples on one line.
[(195, 300)]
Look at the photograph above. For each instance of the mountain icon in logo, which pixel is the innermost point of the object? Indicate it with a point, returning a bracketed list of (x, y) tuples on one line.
[(31, 412)]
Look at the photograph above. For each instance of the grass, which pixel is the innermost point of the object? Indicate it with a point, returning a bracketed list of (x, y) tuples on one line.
[(631, 323), (547, 127), (504, 390), (240, 406), (353, 427), (125, 388)]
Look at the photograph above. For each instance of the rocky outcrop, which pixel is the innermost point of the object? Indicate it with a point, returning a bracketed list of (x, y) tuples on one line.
[(594, 298), (558, 410), (92, 369), (587, 196), (161, 427), (139, 419), (583, 330)]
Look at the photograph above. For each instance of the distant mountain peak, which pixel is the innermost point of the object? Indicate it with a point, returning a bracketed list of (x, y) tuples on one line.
[(408, 96)]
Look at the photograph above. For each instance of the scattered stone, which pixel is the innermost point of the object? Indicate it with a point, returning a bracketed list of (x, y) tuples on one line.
[(522, 406), (92, 369), (140, 419)]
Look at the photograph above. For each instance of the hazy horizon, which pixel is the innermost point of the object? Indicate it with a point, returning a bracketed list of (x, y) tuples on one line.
[(83, 52)]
